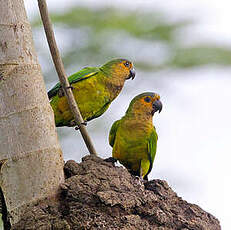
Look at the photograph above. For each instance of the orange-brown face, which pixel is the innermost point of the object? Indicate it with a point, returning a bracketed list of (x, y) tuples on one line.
[(124, 68), (148, 103)]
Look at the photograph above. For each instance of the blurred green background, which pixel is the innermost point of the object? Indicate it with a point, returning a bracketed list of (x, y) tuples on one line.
[(93, 36)]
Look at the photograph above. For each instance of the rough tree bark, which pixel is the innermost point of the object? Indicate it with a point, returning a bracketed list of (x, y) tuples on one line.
[(31, 162)]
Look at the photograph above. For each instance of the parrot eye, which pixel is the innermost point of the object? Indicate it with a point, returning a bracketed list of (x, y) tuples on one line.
[(147, 99), (126, 64)]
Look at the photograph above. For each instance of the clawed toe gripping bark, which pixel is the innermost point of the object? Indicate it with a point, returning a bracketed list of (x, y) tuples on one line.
[(111, 159), (78, 127)]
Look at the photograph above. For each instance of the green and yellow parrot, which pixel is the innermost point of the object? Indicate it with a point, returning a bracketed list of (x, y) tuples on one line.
[(134, 137), (94, 89)]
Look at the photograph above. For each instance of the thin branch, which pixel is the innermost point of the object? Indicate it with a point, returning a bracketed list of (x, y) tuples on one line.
[(62, 75)]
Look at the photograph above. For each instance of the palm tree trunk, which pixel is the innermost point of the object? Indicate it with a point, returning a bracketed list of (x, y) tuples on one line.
[(31, 162)]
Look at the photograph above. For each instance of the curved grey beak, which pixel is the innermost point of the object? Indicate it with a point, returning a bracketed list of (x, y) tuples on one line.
[(132, 74), (157, 106)]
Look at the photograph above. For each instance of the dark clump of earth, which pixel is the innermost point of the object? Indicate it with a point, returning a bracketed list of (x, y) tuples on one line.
[(98, 195)]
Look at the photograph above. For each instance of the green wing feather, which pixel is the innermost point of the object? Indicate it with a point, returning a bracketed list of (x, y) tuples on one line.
[(79, 76), (152, 148), (113, 131), (100, 112)]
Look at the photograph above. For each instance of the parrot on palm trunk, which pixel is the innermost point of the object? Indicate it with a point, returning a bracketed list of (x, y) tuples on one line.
[(94, 89), (134, 137)]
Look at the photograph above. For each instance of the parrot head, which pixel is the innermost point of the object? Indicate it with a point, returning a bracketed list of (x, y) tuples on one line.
[(147, 103), (120, 68)]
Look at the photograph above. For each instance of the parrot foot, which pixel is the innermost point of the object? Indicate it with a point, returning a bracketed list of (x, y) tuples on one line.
[(70, 87), (111, 160), (60, 92), (78, 127), (140, 180)]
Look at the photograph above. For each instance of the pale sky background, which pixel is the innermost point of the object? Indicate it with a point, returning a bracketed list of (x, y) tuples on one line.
[(194, 144)]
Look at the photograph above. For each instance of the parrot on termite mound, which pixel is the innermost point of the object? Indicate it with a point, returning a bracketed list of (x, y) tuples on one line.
[(94, 89), (134, 137)]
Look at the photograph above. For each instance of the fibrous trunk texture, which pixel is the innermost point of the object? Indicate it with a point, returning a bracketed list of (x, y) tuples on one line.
[(31, 163), (98, 195)]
